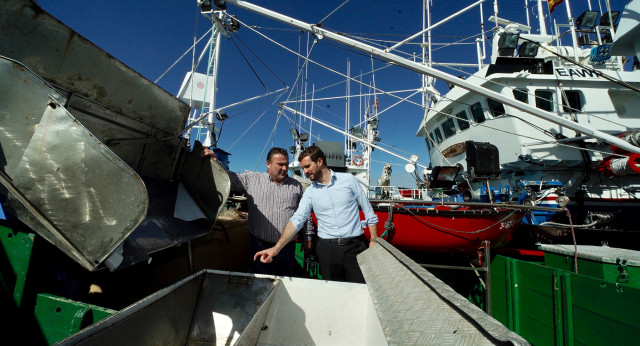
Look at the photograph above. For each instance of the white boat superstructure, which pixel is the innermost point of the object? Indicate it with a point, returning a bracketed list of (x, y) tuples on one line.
[(578, 82)]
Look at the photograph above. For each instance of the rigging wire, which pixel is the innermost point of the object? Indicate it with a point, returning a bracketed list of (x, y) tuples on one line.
[(325, 67), (275, 126), (193, 47), (332, 12), (306, 60), (352, 95), (248, 63), (358, 76), (258, 57), (255, 121)]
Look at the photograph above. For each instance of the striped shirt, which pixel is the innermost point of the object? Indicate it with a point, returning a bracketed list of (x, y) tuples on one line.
[(270, 205)]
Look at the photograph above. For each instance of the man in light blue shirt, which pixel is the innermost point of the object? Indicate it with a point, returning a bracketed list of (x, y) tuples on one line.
[(334, 198)]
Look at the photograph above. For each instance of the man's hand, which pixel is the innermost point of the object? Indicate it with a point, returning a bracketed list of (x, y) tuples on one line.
[(372, 242), (206, 152), (266, 256)]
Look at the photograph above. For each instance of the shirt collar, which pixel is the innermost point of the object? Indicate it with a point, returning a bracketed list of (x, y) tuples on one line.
[(273, 181), (331, 181)]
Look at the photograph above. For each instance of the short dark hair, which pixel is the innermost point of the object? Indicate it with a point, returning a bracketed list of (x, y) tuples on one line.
[(276, 151), (314, 154)]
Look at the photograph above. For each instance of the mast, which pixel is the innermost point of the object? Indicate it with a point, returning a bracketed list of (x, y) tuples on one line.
[(418, 67), (543, 27), (213, 65), (346, 111), (573, 31)]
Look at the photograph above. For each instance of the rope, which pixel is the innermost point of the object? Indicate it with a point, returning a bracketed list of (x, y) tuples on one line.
[(575, 244)]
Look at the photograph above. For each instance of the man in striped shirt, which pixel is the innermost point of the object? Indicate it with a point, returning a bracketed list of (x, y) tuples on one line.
[(272, 198)]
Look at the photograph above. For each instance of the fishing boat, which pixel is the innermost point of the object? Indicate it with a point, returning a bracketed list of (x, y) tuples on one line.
[(559, 114)]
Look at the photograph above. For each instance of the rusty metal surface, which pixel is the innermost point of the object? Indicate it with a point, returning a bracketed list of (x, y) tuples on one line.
[(416, 308), (110, 99), (71, 188)]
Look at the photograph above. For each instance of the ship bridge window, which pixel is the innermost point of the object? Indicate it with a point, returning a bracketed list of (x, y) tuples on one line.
[(438, 135), (575, 101), (507, 44), (477, 113), (528, 50), (544, 99), (521, 95), (449, 128), (496, 108), (432, 140), (463, 120), (427, 141)]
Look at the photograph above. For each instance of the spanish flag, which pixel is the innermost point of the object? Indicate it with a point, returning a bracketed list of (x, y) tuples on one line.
[(553, 4)]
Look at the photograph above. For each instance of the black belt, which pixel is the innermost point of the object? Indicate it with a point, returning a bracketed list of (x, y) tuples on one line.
[(343, 241)]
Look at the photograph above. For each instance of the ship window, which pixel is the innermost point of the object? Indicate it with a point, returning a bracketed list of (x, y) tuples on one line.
[(438, 135), (544, 99), (432, 141), (521, 95), (496, 108), (462, 120), (477, 113), (428, 142), (575, 103), (449, 128)]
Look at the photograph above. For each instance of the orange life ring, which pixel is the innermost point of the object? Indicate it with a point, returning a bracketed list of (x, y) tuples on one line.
[(357, 160)]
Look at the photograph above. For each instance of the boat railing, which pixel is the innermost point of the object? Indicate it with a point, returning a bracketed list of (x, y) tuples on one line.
[(396, 193)]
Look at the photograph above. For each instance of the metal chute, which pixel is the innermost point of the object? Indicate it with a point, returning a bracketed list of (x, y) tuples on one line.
[(64, 183)]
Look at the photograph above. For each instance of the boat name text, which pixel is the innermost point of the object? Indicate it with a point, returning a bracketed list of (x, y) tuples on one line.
[(572, 72)]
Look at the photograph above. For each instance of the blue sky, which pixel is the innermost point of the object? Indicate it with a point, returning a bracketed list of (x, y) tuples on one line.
[(149, 36)]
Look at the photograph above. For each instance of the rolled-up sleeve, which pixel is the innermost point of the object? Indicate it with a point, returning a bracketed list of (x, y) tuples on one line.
[(301, 216)]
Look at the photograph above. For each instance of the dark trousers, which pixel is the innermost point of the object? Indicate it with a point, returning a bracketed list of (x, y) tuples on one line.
[(282, 265), (338, 262)]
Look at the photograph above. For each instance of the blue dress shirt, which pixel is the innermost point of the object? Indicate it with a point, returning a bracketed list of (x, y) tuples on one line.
[(336, 207)]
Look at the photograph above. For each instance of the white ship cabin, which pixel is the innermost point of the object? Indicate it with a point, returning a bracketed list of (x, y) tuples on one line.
[(537, 70)]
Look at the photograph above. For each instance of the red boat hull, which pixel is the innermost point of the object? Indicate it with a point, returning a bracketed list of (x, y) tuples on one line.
[(445, 229)]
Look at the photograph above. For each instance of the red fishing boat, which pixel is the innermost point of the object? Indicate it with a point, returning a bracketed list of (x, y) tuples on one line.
[(422, 226)]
